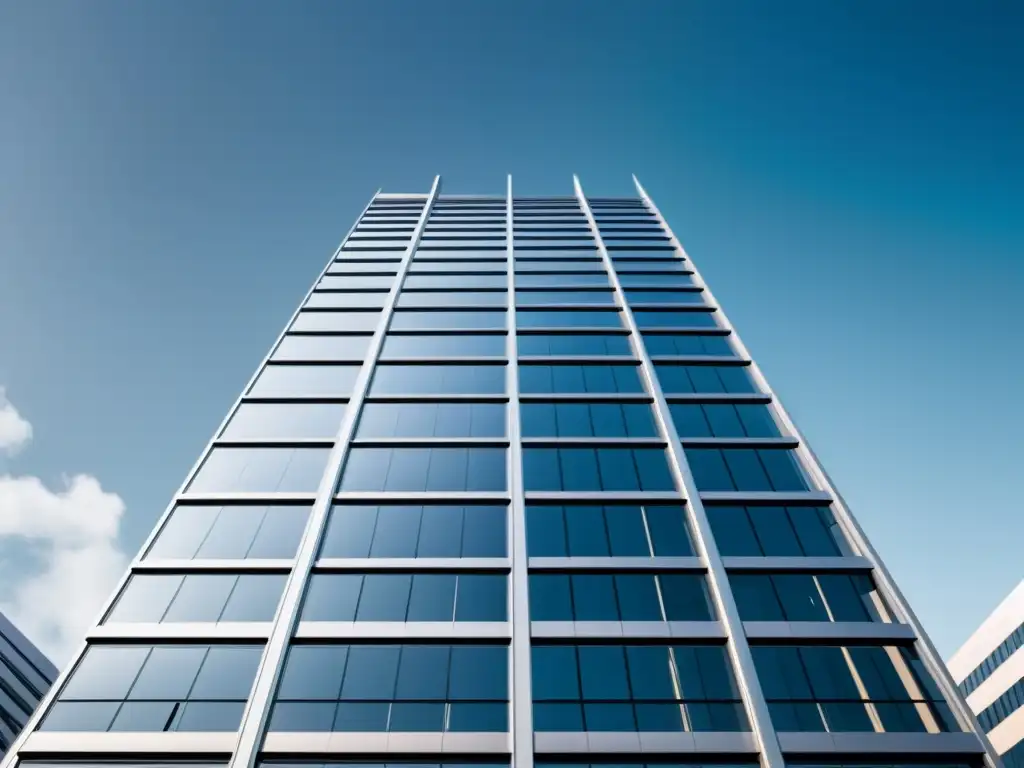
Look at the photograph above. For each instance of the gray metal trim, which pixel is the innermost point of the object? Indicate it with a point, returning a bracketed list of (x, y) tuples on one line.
[(50, 743), (738, 649), (257, 708), (622, 630), (631, 743), (883, 579), (839, 631), (799, 743), (404, 630), (282, 743), (520, 682), (11, 757), (668, 564)]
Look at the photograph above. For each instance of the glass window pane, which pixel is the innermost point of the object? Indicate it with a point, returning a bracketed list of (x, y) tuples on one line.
[(482, 597), (261, 470), (227, 673), (667, 527), (432, 597), (593, 597), (479, 672), (438, 380), (733, 531), (280, 533), (332, 597), (371, 673), (350, 531), (545, 532), (305, 380), (685, 596), (638, 597), (146, 598), (184, 531), (550, 597), (322, 348), (105, 672), (169, 672), (385, 597), (338, 322), (202, 597), (284, 420), (626, 531), (451, 345), (313, 672), (412, 320)]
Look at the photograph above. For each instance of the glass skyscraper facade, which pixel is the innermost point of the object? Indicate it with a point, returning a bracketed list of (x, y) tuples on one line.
[(25, 677), (508, 489)]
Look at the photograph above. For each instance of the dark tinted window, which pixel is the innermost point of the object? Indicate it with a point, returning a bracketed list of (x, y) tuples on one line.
[(424, 469), (609, 531), (402, 530), (600, 469), (587, 420)]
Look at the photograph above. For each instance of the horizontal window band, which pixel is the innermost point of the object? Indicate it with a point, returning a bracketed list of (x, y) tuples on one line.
[(604, 497), (437, 398), (627, 632), (586, 397), (690, 331), (558, 330), (413, 564), (246, 498), (301, 398), (468, 632), (468, 332), (718, 397), (594, 442), (766, 498), (796, 564), (616, 564), (430, 442), (170, 633), (578, 360), (422, 497), (492, 361), (739, 442), (211, 565), (274, 442)]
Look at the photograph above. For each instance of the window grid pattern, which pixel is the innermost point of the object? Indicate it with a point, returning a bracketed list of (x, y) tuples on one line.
[(461, 293)]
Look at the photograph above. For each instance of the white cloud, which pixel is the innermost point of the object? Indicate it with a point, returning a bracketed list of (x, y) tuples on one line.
[(69, 537), (15, 432)]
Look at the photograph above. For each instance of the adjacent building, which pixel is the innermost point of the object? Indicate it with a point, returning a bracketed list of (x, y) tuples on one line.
[(989, 672), (25, 677), (509, 488)]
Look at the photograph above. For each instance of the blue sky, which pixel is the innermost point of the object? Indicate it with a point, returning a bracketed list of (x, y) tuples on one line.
[(848, 177)]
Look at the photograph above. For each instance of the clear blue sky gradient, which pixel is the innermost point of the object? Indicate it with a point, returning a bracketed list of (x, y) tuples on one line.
[(848, 177)]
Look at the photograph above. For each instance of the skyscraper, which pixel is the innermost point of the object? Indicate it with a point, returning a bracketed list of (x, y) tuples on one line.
[(25, 677), (989, 671), (508, 487)]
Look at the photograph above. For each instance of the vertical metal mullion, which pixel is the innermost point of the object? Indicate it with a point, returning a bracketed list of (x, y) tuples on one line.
[(521, 688), (11, 756), (809, 461), (258, 706), (737, 646)]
